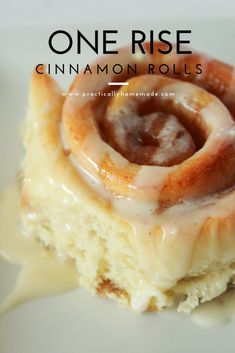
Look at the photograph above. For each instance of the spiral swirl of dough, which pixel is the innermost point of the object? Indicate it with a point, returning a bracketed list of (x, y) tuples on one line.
[(175, 146)]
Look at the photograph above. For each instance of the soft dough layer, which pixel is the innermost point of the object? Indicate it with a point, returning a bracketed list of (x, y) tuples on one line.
[(115, 256)]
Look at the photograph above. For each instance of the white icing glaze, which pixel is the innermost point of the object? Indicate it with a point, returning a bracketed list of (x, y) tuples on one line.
[(171, 147), (140, 302), (216, 312), (42, 272)]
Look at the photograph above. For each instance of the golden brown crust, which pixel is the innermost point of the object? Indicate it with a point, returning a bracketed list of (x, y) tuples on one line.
[(106, 287)]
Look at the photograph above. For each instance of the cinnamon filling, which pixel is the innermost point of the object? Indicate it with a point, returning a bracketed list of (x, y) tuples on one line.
[(153, 139), (154, 131)]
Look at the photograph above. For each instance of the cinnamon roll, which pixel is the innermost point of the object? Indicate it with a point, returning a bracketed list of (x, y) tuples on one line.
[(136, 183)]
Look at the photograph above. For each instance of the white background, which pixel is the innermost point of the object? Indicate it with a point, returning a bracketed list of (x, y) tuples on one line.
[(53, 12)]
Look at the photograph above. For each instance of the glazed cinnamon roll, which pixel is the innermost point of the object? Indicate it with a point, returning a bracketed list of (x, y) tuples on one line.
[(136, 182)]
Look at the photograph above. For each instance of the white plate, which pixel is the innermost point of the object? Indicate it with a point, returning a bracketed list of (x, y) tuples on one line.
[(78, 321)]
